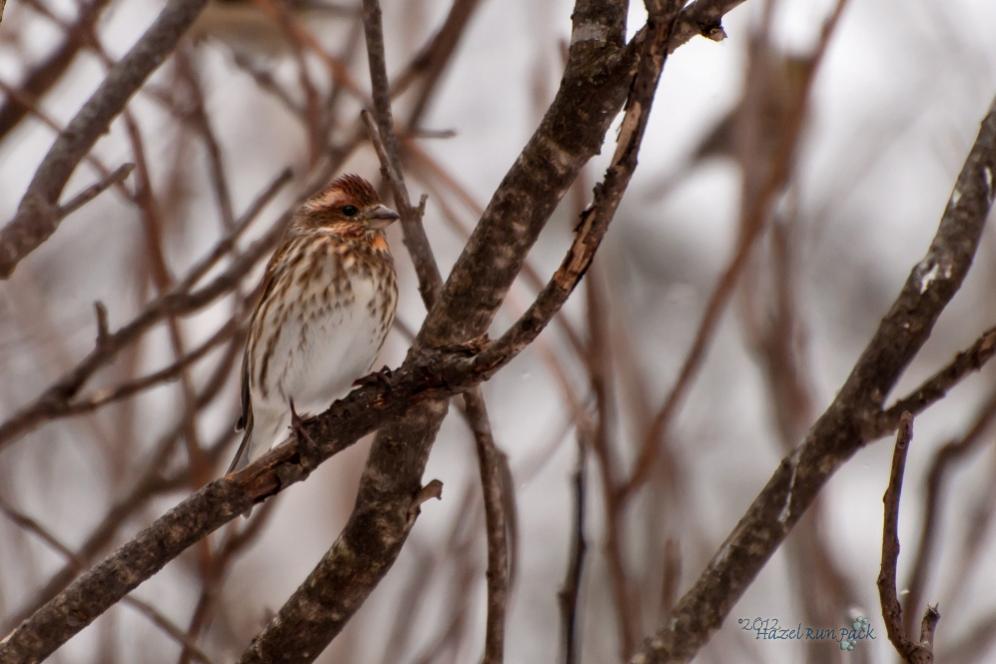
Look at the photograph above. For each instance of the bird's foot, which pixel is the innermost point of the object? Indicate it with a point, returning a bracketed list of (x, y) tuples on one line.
[(380, 378), (307, 448)]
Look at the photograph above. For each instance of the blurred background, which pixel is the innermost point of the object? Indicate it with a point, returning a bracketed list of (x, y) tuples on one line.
[(870, 135)]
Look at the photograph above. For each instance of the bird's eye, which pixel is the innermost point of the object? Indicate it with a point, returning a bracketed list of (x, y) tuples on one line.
[(350, 210)]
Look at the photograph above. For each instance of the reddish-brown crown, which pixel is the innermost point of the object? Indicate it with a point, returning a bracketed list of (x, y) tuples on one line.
[(349, 188)]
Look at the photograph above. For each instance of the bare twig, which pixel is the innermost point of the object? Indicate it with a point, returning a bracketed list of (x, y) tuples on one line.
[(892, 612), (37, 112), (598, 361), (570, 591), (94, 190), (934, 388), (429, 278), (236, 543), (940, 467), (496, 492), (102, 397), (496, 495)]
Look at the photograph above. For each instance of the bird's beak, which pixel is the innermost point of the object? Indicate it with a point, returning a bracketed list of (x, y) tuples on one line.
[(381, 216)]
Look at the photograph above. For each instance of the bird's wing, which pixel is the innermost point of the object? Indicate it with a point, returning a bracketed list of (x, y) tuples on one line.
[(244, 423), (245, 419)]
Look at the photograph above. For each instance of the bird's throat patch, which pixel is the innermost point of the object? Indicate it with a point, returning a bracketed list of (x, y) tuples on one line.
[(379, 242)]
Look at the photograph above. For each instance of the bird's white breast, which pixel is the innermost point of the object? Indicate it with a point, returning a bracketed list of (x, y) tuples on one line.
[(325, 345)]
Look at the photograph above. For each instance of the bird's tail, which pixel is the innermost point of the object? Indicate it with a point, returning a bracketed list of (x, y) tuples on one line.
[(242, 456)]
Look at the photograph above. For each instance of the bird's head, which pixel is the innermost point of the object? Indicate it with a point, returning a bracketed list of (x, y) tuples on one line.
[(348, 205)]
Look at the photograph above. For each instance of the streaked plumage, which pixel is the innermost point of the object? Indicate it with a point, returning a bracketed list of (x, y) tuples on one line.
[(328, 301)]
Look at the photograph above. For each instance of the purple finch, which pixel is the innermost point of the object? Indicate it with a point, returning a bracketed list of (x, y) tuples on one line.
[(328, 301)]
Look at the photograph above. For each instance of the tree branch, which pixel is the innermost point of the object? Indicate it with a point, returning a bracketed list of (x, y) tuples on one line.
[(844, 427), (94, 190), (936, 387), (892, 611)]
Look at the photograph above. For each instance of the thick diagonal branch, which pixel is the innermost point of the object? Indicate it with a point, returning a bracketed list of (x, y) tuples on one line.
[(849, 422)]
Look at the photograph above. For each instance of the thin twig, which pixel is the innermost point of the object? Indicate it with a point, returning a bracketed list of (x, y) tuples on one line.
[(570, 591), (941, 465), (429, 278), (892, 612), (235, 544), (37, 112), (936, 387), (598, 362), (102, 397), (891, 609), (94, 190), (497, 495)]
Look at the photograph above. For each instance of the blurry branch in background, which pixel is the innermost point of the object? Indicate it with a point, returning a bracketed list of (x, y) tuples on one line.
[(104, 396), (777, 89), (600, 436), (235, 543), (94, 190), (759, 197), (36, 217), (95, 162), (45, 74), (432, 61), (570, 590), (920, 652), (844, 427), (58, 399)]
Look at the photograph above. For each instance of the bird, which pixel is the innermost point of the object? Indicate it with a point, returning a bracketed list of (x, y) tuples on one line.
[(253, 27), (329, 295)]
